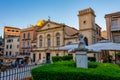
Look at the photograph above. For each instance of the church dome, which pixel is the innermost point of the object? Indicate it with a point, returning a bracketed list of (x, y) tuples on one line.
[(40, 22)]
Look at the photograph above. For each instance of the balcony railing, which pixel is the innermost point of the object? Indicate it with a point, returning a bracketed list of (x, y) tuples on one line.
[(24, 53), (25, 47), (27, 38), (115, 29)]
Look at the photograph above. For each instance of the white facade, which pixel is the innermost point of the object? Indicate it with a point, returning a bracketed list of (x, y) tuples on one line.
[(11, 46)]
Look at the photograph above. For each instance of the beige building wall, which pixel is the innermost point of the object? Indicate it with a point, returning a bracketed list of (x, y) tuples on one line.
[(113, 26), (11, 46), (12, 33), (27, 35), (104, 34)]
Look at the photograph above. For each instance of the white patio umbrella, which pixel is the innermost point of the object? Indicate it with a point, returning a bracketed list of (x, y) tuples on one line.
[(72, 46), (68, 47), (105, 45), (97, 47)]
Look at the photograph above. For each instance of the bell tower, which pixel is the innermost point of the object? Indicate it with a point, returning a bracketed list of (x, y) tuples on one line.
[(87, 24)]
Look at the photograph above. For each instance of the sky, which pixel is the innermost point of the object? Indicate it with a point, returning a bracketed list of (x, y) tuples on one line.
[(23, 13)]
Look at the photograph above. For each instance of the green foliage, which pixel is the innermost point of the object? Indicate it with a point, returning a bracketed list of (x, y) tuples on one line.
[(56, 58), (93, 65), (62, 58), (66, 70), (69, 57), (118, 54), (93, 59)]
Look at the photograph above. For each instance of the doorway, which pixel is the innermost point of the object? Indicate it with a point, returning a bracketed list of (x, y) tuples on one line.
[(34, 56), (48, 58)]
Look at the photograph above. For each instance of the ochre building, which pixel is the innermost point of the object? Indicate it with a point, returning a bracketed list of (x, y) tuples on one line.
[(27, 36)]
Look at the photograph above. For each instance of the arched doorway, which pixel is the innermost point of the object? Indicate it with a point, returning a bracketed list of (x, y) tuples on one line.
[(48, 58), (86, 41)]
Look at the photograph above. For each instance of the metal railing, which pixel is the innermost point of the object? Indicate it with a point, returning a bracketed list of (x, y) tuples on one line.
[(17, 73)]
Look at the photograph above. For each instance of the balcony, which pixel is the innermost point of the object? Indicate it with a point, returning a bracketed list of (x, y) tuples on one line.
[(25, 47), (25, 52), (113, 29), (26, 38)]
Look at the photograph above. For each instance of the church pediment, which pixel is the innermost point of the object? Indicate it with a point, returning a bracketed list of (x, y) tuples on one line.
[(49, 25)]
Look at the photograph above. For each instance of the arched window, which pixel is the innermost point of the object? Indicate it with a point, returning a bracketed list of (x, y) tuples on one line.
[(28, 35), (40, 42), (24, 35), (57, 39), (86, 41), (48, 40)]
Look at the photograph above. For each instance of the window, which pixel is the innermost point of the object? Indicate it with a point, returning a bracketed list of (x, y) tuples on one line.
[(84, 22), (17, 46), (6, 53), (6, 46), (114, 24), (28, 44), (57, 39), (48, 25), (48, 41), (10, 53), (10, 40), (16, 53), (18, 40), (28, 35), (23, 45), (40, 42), (23, 51), (24, 35), (116, 39), (12, 30), (10, 46)]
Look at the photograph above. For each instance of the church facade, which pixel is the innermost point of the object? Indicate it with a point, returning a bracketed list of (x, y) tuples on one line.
[(50, 37)]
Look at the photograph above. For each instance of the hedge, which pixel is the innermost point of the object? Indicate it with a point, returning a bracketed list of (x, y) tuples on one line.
[(68, 58), (66, 70), (62, 58), (92, 59)]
